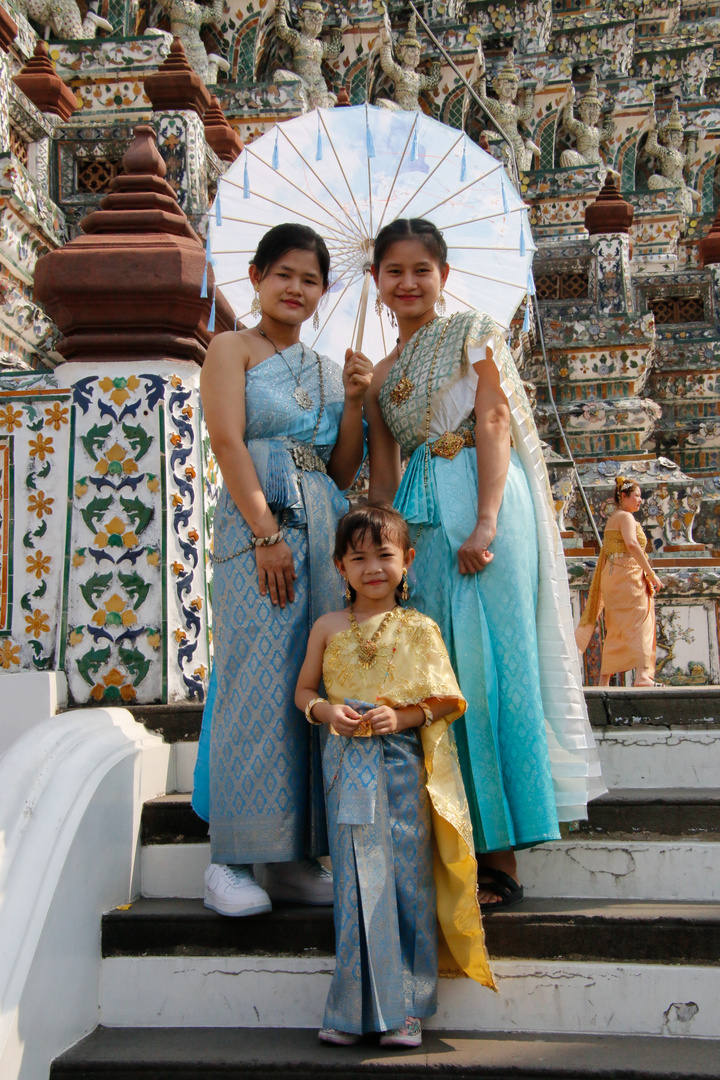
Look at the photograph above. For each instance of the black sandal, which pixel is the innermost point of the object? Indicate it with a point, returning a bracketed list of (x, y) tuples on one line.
[(504, 886)]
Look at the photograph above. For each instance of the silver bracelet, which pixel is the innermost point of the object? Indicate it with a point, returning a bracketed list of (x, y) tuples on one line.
[(268, 541)]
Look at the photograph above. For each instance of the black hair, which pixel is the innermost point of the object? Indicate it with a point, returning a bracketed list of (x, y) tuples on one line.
[(623, 486), (380, 520), (411, 229), (291, 237)]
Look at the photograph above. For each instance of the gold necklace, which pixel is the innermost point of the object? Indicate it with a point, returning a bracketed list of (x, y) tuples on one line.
[(367, 647), (405, 386)]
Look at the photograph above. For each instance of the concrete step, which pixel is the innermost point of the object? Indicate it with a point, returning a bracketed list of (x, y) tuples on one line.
[(534, 995), (632, 756), (211, 1054), (651, 813), (684, 706), (667, 706), (586, 867), (587, 930), (643, 756)]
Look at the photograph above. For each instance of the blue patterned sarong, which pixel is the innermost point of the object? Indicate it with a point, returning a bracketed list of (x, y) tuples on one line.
[(487, 621), (385, 910), (258, 776)]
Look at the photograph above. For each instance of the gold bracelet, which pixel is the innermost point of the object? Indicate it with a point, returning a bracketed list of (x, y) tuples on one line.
[(308, 711), (429, 718)]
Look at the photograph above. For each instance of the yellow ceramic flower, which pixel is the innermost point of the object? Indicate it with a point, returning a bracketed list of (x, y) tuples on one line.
[(37, 623), (41, 447), (10, 418), (9, 654), (38, 564), (57, 416), (40, 504)]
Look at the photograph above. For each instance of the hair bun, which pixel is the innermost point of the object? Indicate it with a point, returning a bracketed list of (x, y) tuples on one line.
[(620, 481)]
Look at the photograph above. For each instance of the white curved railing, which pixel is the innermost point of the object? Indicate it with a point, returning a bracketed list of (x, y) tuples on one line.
[(71, 795)]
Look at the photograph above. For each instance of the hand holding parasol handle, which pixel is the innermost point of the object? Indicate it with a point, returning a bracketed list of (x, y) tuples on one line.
[(362, 311)]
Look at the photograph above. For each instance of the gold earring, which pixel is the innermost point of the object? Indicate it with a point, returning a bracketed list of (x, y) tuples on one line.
[(378, 305), (405, 593), (255, 307), (348, 594), (441, 305), (316, 322)]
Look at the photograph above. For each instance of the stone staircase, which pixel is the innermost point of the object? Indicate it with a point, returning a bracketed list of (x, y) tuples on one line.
[(611, 966)]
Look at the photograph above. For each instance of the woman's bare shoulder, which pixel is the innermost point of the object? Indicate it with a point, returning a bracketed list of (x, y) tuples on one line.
[(331, 623), (228, 351), (618, 517)]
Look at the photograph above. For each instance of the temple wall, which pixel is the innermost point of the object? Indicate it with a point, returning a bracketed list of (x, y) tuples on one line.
[(631, 322)]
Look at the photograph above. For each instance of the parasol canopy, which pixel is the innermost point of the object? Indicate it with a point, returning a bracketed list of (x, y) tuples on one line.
[(347, 172)]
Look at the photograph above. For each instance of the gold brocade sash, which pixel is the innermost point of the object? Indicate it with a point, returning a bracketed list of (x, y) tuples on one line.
[(454, 862)]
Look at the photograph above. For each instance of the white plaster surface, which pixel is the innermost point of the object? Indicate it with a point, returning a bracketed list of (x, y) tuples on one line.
[(633, 870), (71, 794), (593, 869), (28, 698), (630, 758), (173, 869), (645, 757), (542, 996), (185, 754)]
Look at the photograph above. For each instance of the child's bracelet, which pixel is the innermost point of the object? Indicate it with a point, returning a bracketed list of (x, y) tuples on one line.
[(429, 718), (309, 708)]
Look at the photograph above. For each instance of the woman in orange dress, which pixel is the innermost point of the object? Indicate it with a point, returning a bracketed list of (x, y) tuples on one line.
[(624, 584)]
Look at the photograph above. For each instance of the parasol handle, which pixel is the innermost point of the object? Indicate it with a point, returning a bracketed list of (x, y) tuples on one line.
[(362, 311)]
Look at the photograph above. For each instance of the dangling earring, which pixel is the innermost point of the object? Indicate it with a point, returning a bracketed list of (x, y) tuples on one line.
[(348, 594), (405, 593), (378, 305), (440, 304), (255, 307), (316, 322)]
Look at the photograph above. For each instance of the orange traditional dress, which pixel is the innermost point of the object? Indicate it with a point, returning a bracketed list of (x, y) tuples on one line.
[(620, 587)]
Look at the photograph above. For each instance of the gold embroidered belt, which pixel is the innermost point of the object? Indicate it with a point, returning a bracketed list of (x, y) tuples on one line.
[(450, 443), (306, 460)]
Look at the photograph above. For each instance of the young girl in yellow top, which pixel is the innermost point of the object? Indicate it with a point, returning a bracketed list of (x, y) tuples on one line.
[(397, 814)]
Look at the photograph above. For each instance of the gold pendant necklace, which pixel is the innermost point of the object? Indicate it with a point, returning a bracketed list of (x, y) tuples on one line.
[(367, 648), (404, 386), (300, 394)]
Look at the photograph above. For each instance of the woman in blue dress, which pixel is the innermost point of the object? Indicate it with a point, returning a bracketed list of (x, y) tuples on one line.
[(489, 568), (286, 428)]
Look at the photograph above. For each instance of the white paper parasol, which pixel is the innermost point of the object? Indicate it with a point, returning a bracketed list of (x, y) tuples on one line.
[(349, 171)]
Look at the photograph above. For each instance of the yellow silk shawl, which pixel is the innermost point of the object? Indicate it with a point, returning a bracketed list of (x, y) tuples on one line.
[(412, 665)]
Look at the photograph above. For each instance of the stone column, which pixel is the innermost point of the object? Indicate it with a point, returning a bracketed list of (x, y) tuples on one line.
[(105, 559)]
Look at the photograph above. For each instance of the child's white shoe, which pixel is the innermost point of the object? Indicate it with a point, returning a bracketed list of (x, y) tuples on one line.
[(232, 890), (333, 1037), (410, 1034)]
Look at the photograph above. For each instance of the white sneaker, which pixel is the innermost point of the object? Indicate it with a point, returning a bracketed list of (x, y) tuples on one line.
[(232, 890), (305, 882)]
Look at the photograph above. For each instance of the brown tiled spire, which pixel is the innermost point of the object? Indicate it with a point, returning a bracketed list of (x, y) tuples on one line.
[(39, 81), (220, 134), (175, 86), (8, 30), (129, 288), (609, 213)]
